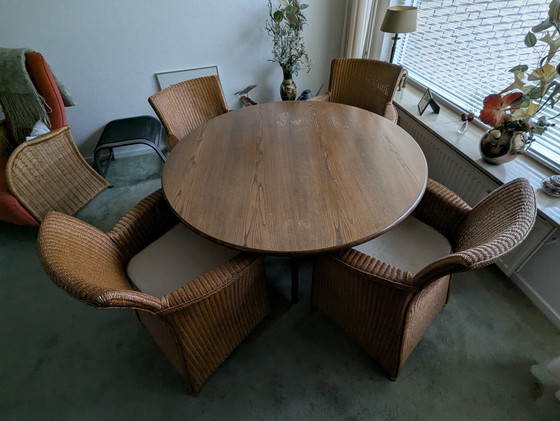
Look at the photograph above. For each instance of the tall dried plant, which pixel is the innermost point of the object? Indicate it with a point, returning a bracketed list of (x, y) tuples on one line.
[(285, 26)]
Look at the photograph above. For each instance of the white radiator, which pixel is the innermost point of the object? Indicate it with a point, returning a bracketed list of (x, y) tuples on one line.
[(451, 169), (447, 166)]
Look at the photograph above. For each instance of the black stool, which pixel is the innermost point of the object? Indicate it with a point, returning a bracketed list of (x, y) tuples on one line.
[(145, 130)]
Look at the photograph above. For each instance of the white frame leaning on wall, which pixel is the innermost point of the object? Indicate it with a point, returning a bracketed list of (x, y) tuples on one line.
[(166, 79)]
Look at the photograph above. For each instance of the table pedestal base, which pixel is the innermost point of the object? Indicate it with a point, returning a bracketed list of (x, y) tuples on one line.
[(294, 262)]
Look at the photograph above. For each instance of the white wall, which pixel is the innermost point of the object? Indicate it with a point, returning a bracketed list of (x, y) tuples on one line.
[(106, 52)]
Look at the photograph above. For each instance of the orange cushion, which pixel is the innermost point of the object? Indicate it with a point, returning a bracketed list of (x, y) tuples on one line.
[(44, 82), (10, 209)]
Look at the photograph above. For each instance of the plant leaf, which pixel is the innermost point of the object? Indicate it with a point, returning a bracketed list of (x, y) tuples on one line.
[(530, 39), (535, 93), (292, 19), (520, 69), (291, 10), (553, 94), (538, 129), (524, 102), (278, 16)]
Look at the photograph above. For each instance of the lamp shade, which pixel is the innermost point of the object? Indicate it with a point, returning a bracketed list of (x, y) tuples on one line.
[(400, 19)]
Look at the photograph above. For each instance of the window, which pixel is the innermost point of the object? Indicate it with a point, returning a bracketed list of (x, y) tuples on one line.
[(462, 50)]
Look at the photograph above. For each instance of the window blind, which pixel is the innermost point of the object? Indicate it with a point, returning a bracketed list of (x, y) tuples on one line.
[(463, 51)]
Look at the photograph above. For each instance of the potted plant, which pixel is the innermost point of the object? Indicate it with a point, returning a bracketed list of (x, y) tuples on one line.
[(516, 113), (285, 26)]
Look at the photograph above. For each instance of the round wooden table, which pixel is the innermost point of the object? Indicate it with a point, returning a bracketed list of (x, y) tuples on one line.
[(295, 178)]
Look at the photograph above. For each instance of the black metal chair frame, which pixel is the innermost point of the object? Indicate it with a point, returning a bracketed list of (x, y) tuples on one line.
[(144, 130)]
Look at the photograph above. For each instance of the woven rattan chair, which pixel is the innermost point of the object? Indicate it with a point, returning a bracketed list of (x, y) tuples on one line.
[(364, 83), (385, 293), (198, 300), (185, 106), (49, 173)]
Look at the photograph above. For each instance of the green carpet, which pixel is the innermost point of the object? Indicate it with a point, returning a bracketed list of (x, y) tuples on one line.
[(484, 357)]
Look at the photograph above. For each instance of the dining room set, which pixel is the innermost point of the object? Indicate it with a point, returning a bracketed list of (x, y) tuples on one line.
[(332, 179)]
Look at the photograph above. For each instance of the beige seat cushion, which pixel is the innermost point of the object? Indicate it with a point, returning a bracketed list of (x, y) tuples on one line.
[(410, 246), (175, 259)]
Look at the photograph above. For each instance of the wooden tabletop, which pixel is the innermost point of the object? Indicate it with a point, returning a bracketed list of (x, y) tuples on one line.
[(295, 177)]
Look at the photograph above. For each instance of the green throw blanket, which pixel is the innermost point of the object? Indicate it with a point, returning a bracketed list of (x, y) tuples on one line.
[(18, 97)]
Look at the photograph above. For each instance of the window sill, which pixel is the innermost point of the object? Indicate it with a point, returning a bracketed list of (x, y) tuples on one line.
[(445, 125)]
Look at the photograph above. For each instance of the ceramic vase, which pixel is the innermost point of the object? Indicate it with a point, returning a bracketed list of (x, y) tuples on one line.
[(288, 89), (501, 146)]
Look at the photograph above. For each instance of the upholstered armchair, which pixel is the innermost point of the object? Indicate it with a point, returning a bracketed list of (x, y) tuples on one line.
[(197, 299), (185, 106), (385, 293), (364, 83), (48, 172)]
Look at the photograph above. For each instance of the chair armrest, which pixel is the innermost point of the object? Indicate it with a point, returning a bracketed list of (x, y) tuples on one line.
[(441, 209), (326, 97), (391, 113), (142, 225), (49, 173), (462, 261), (83, 261)]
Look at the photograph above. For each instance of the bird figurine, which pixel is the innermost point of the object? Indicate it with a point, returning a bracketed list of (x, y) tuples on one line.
[(244, 97), (246, 90)]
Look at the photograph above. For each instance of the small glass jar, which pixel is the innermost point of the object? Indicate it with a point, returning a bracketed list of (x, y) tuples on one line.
[(466, 118)]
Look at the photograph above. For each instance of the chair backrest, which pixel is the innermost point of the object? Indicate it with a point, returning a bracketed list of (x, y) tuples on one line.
[(494, 227), (49, 173), (185, 106), (364, 83), (45, 83), (501, 220)]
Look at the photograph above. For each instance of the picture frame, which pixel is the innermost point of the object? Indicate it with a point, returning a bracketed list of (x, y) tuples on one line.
[(166, 79), (427, 100)]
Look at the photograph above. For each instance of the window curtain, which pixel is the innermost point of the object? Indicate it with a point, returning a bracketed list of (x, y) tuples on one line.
[(359, 17)]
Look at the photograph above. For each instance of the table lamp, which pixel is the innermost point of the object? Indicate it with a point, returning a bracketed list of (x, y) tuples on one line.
[(399, 20)]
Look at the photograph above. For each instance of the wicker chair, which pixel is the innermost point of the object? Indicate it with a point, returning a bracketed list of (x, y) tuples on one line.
[(364, 83), (48, 173), (185, 106), (198, 299), (386, 303)]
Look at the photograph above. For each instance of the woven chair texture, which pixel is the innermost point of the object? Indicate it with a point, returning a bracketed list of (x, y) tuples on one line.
[(197, 326), (387, 310), (364, 83), (185, 106), (49, 173)]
